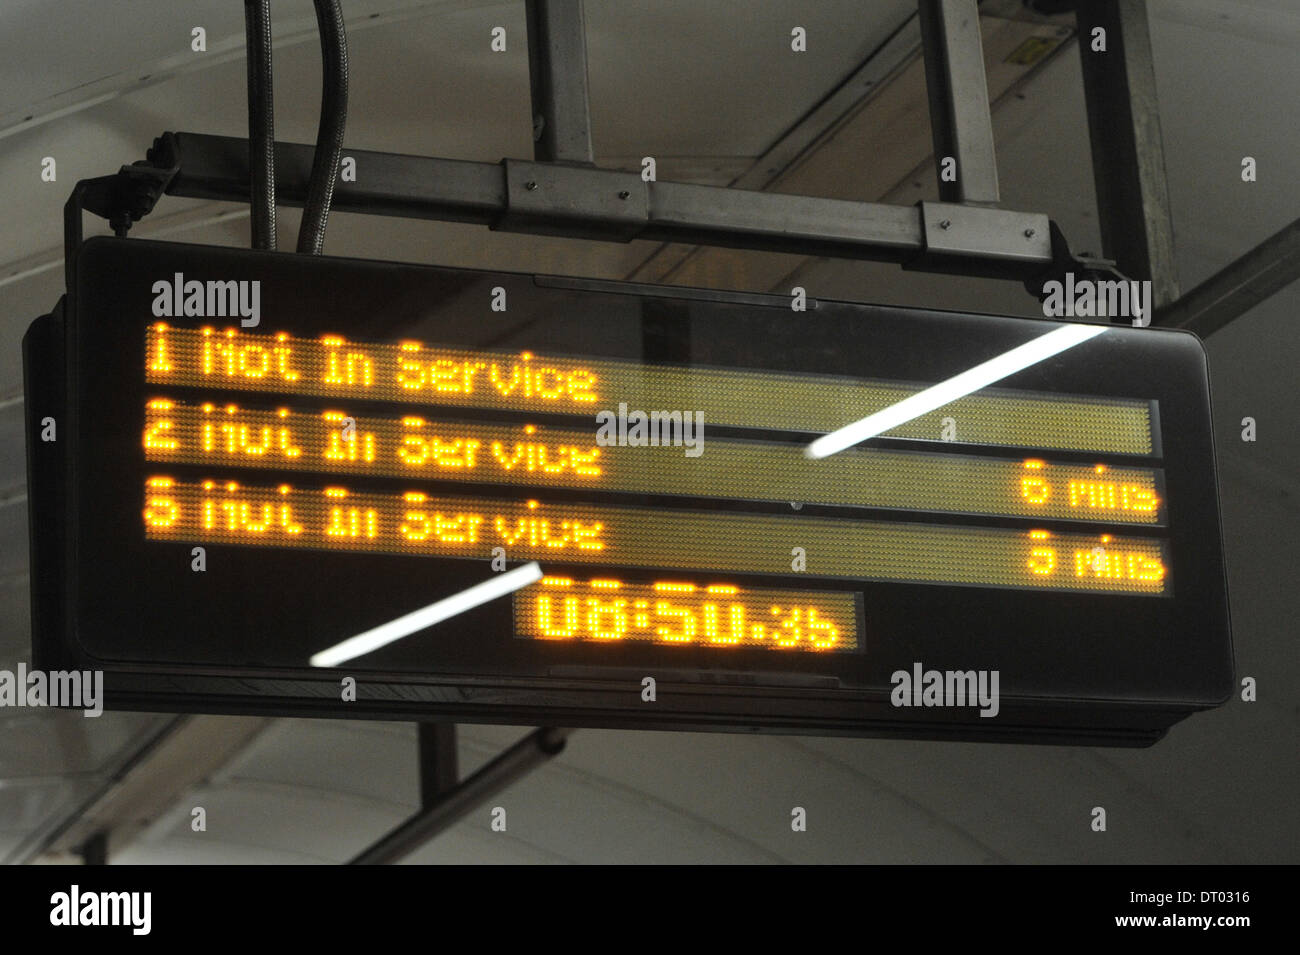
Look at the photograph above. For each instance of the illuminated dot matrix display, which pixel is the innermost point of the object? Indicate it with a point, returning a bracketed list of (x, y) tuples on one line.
[(338, 518), (417, 373), (337, 441), (681, 613), (377, 432)]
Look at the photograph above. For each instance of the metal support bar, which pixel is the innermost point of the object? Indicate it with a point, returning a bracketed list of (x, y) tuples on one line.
[(779, 222), (960, 117), (1238, 287), (533, 750), (95, 850), (1128, 159), (557, 71), (74, 230), (388, 184), (438, 770), (574, 201)]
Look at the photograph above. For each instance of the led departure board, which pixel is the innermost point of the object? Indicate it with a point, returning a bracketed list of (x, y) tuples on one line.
[(265, 455)]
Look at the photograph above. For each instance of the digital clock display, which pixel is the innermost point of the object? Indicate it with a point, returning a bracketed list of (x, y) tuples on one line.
[(605, 609)]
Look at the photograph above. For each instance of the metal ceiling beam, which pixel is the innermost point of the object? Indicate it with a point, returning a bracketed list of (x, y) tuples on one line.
[(960, 118), (875, 108), (1238, 287), (881, 66), (1128, 158), (188, 751), (805, 139)]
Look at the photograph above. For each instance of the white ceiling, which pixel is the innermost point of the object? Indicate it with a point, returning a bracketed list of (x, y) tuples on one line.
[(706, 87)]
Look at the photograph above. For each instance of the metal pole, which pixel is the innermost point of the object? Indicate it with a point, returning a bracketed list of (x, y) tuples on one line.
[(1238, 287), (557, 69), (960, 118), (261, 122), (95, 850), (440, 814), (1128, 158), (438, 769)]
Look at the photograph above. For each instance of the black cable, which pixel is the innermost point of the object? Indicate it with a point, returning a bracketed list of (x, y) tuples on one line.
[(333, 119), (261, 122)]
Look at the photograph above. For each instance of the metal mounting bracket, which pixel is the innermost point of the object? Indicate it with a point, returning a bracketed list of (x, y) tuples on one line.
[(959, 231), (581, 201)]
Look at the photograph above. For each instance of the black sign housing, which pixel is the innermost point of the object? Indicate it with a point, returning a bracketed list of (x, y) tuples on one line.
[(1097, 668)]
